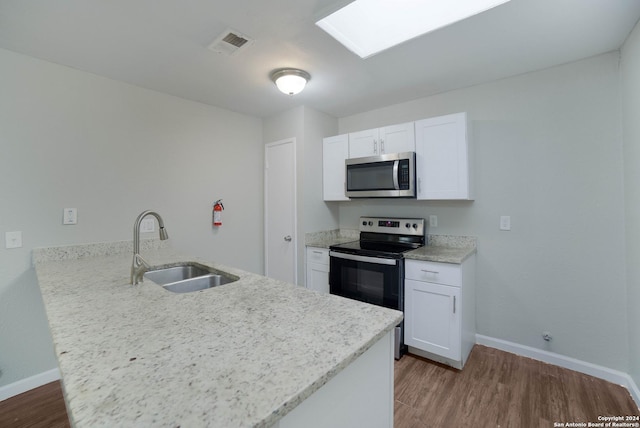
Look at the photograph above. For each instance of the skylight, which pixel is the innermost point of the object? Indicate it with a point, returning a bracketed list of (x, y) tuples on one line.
[(367, 27)]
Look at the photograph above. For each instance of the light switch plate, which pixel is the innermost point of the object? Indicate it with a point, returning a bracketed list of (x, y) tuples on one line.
[(505, 222), (70, 216), (433, 221), (13, 239), (147, 225)]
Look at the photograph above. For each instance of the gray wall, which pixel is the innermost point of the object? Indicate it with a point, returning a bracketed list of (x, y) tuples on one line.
[(308, 127), (73, 139), (630, 66), (548, 152)]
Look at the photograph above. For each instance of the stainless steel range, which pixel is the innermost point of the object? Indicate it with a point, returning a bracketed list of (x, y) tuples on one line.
[(372, 269)]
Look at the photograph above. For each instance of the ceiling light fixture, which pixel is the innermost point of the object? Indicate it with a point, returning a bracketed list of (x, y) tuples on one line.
[(367, 27), (290, 81)]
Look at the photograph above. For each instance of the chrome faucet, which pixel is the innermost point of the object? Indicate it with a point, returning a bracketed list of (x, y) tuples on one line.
[(139, 265)]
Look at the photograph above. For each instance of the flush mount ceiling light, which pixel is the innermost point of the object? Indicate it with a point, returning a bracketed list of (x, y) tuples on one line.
[(367, 27), (290, 81)]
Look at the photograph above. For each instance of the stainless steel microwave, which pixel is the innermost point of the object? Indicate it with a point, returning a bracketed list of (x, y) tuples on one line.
[(385, 176)]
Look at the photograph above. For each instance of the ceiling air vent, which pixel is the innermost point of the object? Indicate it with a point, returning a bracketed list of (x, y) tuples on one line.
[(230, 42)]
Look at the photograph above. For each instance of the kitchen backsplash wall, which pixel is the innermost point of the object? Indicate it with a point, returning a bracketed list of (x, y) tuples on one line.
[(548, 153), (112, 150)]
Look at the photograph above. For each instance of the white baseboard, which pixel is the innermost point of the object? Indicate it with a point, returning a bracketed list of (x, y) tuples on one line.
[(613, 376), (29, 383)]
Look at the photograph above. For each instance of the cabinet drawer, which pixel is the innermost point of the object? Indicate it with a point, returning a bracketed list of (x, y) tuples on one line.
[(318, 255), (439, 273)]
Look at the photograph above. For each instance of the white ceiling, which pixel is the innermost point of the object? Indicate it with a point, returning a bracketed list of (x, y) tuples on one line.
[(162, 45)]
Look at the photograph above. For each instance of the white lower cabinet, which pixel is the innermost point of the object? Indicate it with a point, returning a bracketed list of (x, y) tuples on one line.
[(433, 319), (317, 277), (439, 310)]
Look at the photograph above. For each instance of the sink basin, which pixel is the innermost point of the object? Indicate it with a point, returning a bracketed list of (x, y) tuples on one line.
[(198, 283), (176, 273), (188, 277)]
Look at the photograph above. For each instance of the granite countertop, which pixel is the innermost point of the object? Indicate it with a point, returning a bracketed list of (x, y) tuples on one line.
[(440, 248), (330, 237), (440, 254), (241, 354)]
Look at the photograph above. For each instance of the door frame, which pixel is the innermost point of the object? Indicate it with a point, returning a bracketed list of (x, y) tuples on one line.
[(294, 236)]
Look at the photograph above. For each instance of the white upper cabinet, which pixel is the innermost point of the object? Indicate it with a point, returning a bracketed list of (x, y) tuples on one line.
[(443, 158), (378, 141), (334, 152), (363, 143)]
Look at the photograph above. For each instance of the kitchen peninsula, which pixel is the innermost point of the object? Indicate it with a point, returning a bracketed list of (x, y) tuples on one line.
[(256, 352)]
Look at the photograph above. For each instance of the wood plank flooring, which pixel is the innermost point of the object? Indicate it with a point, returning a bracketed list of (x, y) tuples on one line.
[(41, 407), (499, 389), (495, 389)]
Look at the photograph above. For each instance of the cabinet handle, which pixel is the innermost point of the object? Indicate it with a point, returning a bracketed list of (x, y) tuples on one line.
[(419, 184), (430, 271), (317, 252), (381, 146), (375, 146), (454, 304)]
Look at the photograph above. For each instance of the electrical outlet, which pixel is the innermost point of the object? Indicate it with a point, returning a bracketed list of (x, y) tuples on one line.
[(70, 216), (13, 239), (433, 221), (505, 222), (147, 225)]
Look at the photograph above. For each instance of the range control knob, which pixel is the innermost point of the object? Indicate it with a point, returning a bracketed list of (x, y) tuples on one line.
[(408, 225), (370, 223), (364, 223), (415, 226)]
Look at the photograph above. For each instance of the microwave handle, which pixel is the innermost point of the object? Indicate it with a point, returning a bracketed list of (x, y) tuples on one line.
[(396, 184)]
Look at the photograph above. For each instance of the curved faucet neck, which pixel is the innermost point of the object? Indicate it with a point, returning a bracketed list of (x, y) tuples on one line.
[(136, 228), (139, 265)]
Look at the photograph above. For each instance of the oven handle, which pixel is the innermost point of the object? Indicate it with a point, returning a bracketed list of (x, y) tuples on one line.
[(366, 259)]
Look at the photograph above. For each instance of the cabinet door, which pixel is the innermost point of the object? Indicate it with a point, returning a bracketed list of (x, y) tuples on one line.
[(397, 138), (318, 277), (363, 143), (432, 318), (442, 158), (334, 152)]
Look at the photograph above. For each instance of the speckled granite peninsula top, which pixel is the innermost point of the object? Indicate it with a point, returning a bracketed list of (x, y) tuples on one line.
[(239, 355)]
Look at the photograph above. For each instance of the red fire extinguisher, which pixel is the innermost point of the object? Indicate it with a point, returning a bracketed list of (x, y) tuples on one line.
[(217, 212)]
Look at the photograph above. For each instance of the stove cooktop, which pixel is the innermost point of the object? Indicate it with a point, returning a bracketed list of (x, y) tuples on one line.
[(385, 237), (376, 249)]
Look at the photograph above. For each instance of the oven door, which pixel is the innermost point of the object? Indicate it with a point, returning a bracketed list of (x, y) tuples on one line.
[(373, 280)]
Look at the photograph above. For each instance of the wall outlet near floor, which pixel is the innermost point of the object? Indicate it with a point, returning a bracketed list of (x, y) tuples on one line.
[(13, 239), (70, 216), (505, 222), (433, 221), (147, 225)]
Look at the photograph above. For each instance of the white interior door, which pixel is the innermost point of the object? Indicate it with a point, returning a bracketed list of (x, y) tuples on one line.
[(280, 210)]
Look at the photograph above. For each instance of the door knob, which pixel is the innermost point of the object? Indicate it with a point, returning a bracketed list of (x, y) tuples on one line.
[(287, 238)]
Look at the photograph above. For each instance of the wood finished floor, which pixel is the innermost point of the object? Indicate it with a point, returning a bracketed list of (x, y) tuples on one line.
[(41, 407), (499, 389), (495, 389)]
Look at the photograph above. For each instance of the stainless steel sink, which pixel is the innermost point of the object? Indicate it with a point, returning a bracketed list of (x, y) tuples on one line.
[(188, 277), (176, 273), (198, 283)]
